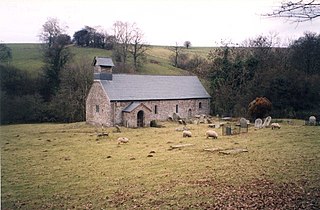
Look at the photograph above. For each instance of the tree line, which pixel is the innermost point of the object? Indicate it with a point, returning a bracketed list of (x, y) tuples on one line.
[(288, 77)]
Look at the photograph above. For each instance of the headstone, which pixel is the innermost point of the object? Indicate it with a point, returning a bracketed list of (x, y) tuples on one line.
[(243, 123), (258, 123), (201, 119), (175, 117), (266, 122), (312, 120)]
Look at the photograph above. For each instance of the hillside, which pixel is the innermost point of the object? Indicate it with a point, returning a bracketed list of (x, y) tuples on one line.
[(28, 57)]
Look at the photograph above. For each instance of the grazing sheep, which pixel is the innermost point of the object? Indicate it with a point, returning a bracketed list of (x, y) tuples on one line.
[(123, 140), (211, 133), (186, 134), (275, 125)]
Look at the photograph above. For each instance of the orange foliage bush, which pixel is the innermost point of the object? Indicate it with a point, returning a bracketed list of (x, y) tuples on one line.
[(259, 107)]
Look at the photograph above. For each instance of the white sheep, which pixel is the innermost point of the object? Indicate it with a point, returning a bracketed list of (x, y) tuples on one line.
[(275, 125), (211, 133), (186, 134), (123, 140)]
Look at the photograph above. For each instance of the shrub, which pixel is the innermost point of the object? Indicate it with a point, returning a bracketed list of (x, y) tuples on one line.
[(259, 107)]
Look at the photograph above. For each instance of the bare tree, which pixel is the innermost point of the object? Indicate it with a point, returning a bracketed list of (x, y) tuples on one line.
[(137, 47), (50, 30), (176, 52), (298, 10), (123, 35)]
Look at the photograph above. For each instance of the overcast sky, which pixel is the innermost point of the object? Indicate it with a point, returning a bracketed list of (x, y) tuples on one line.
[(164, 22)]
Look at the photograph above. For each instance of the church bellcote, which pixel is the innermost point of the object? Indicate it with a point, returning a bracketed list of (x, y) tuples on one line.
[(102, 68)]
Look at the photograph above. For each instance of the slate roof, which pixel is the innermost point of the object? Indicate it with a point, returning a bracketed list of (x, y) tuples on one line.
[(125, 87), (102, 61), (132, 106)]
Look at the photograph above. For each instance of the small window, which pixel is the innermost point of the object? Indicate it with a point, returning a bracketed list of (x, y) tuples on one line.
[(97, 108), (155, 109), (177, 109), (200, 105)]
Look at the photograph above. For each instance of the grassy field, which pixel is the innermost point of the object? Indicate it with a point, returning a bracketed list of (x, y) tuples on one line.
[(65, 166), (29, 57)]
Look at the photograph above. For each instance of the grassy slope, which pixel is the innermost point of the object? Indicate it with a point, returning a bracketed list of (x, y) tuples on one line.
[(67, 166), (28, 57)]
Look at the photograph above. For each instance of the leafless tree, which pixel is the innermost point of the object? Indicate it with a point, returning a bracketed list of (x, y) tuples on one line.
[(176, 52), (297, 10), (50, 30), (123, 35), (138, 46)]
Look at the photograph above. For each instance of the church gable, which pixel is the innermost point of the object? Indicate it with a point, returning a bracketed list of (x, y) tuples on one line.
[(98, 106)]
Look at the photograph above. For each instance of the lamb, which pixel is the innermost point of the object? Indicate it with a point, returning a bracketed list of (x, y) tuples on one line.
[(186, 134), (275, 125), (123, 140), (211, 133)]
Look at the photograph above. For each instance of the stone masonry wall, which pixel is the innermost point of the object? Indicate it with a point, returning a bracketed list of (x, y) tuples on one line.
[(130, 119), (165, 108), (101, 114)]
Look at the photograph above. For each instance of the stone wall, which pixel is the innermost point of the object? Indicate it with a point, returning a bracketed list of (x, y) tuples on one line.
[(130, 118), (165, 108), (98, 106)]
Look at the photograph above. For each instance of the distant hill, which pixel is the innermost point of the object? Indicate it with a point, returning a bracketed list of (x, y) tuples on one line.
[(29, 57)]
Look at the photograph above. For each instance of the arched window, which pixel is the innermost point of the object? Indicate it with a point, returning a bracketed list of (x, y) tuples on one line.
[(200, 105), (155, 109), (177, 108)]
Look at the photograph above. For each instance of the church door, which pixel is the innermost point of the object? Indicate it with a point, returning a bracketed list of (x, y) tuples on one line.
[(140, 118)]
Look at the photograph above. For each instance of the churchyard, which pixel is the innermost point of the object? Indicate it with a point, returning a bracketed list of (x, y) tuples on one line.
[(66, 166)]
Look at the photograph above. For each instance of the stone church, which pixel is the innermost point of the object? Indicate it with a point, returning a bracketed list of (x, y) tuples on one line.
[(136, 100)]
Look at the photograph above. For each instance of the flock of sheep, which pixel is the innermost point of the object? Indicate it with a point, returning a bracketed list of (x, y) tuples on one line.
[(186, 133), (209, 133)]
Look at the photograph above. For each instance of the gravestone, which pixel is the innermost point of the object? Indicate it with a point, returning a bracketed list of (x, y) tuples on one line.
[(201, 119), (312, 120), (266, 122), (258, 123), (175, 117), (243, 125)]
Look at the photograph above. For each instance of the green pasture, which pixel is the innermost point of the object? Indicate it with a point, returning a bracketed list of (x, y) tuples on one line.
[(29, 57), (65, 166)]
